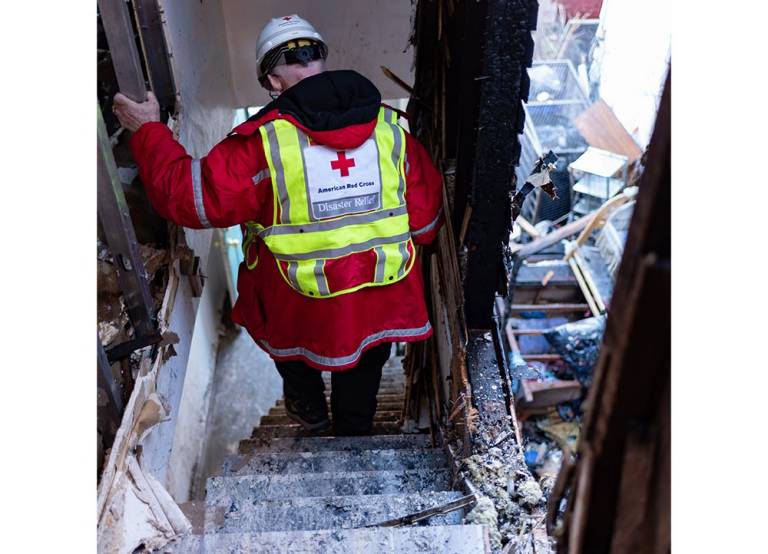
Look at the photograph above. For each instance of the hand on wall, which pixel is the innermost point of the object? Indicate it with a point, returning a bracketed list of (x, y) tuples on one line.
[(133, 115)]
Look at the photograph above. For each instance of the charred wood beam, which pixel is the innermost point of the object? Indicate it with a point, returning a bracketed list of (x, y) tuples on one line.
[(507, 51), (465, 77), (149, 20), (122, 46), (463, 502), (123, 350), (118, 229), (622, 474)]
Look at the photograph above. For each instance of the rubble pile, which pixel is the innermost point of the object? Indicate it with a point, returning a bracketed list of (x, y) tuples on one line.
[(113, 323), (510, 499)]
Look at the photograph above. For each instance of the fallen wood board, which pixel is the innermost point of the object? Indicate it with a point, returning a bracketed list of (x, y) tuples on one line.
[(555, 308), (533, 275), (561, 287), (585, 290), (527, 331), (528, 227), (590, 281), (541, 357), (426, 514), (598, 218), (601, 128), (535, 397), (515, 347), (554, 237)]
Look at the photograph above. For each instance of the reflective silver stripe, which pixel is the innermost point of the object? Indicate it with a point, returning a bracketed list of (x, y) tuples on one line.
[(378, 168), (388, 116), (404, 257), (293, 267), (304, 143), (260, 176), (393, 334), (339, 252), (381, 260), (429, 227), (277, 164), (197, 193), (332, 224), (322, 285)]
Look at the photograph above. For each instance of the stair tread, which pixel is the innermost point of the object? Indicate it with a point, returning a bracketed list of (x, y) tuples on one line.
[(380, 407), (283, 419), (379, 428), (220, 490), (330, 460), (398, 396), (438, 539), (326, 512), (314, 444)]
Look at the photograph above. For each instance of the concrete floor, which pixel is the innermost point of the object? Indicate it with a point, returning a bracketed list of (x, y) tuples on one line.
[(246, 386)]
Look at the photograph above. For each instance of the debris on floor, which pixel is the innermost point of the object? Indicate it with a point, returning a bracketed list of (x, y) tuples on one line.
[(509, 493), (484, 513), (578, 343)]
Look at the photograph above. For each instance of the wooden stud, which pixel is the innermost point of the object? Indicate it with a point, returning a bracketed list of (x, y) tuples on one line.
[(122, 48)]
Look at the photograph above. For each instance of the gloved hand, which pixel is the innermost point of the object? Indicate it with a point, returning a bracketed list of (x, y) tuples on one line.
[(133, 115)]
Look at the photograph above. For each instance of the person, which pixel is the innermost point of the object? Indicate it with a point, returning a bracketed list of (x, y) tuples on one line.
[(333, 197)]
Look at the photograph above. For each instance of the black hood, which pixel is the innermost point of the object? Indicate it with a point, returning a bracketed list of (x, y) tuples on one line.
[(329, 100)]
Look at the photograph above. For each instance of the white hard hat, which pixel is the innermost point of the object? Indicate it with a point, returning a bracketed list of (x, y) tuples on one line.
[(280, 30)]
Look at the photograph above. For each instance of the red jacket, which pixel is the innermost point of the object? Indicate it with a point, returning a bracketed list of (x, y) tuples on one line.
[(235, 187)]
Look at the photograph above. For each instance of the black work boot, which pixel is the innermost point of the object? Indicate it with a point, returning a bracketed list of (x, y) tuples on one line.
[(307, 414)]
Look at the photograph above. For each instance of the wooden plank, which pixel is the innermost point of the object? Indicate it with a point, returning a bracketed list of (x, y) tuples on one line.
[(601, 128), (542, 394), (527, 331), (528, 227), (116, 223), (122, 48), (590, 281), (533, 275), (596, 220), (149, 22), (542, 357), (515, 347), (552, 308), (585, 290), (554, 237)]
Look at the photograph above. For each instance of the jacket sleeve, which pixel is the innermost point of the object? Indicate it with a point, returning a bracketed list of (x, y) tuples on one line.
[(218, 190), (424, 192)]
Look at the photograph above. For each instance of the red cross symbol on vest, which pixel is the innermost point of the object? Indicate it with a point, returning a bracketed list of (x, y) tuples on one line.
[(343, 164), (286, 18)]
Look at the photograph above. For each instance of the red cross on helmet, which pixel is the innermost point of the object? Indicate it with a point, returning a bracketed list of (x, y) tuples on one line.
[(280, 30)]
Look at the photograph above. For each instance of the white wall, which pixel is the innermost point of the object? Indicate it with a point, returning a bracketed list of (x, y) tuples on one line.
[(196, 38), (188, 449), (636, 40), (361, 35)]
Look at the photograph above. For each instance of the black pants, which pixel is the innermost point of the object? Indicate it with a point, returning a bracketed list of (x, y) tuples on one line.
[(353, 392)]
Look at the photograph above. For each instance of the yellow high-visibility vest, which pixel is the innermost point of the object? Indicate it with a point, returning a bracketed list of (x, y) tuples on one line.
[(331, 204)]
